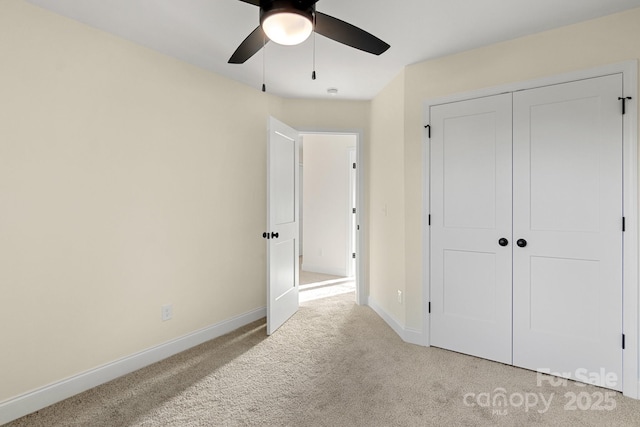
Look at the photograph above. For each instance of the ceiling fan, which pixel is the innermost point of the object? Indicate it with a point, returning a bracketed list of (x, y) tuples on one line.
[(290, 22)]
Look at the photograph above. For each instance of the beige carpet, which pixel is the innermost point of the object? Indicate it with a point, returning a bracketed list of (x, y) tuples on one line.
[(318, 285), (309, 277), (333, 364)]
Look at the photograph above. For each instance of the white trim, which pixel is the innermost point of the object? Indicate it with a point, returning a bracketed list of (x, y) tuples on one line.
[(630, 243), (42, 397), (411, 336), (414, 336), (620, 67), (389, 319), (300, 204), (361, 288), (426, 246), (631, 292), (352, 157)]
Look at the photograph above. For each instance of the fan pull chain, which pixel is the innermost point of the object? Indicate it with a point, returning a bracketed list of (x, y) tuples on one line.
[(264, 56), (313, 74)]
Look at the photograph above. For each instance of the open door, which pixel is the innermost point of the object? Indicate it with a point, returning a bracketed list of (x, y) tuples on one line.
[(283, 246)]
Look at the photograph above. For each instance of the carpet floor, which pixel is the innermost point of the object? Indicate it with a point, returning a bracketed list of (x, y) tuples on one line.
[(333, 364)]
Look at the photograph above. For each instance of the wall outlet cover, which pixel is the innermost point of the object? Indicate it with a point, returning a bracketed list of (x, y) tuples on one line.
[(167, 312)]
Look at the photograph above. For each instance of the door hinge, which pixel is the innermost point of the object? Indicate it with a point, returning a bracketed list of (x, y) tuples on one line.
[(354, 210), (429, 219), (354, 165), (353, 255), (623, 341), (358, 227), (624, 103), (428, 128), (624, 224), (429, 307)]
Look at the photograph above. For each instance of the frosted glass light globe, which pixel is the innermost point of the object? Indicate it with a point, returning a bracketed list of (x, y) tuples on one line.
[(287, 28)]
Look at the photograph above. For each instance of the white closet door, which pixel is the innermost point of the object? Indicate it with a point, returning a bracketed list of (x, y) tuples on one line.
[(568, 208), (470, 213)]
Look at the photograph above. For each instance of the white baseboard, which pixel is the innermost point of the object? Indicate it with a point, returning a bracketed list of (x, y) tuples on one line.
[(393, 323), (35, 400), (408, 335), (413, 336), (342, 272)]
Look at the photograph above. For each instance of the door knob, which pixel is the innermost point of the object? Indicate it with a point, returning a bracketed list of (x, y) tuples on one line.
[(264, 235), (522, 243), (503, 242), (274, 235)]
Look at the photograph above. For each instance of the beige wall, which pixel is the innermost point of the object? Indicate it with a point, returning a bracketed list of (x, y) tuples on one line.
[(115, 164), (386, 203), (128, 180), (603, 41), (327, 115)]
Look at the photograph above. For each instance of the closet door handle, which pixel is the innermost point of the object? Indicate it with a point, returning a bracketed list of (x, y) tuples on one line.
[(503, 242), (521, 243), (275, 235)]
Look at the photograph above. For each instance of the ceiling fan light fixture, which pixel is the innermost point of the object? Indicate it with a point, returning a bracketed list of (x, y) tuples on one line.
[(287, 27), (291, 22)]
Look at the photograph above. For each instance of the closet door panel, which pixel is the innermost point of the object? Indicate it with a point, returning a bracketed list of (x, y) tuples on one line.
[(567, 177), (471, 211)]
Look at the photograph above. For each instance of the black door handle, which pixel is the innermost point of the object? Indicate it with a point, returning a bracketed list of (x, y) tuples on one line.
[(522, 243), (503, 242), (274, 235), (265, 235)]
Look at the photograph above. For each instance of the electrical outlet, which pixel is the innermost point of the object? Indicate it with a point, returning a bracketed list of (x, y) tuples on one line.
[(399, 296), (167, 312)]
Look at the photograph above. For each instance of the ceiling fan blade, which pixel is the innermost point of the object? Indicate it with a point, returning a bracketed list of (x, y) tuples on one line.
[(253, 2), (249, 47), (348, 34)]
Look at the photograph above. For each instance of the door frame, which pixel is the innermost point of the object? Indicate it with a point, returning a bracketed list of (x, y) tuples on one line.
[(630, 288), (361, 290), (353, 229)]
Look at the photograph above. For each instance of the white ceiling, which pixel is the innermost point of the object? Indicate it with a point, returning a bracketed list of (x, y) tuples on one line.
[(206, 32)]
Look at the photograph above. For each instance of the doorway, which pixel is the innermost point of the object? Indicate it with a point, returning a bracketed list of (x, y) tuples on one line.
[(328, 213)]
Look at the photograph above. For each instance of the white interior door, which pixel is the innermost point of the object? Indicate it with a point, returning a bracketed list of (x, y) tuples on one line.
[(567, 292), (470, 214), (282, 220)]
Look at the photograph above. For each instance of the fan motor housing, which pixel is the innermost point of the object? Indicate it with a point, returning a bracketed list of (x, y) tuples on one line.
[(273, 7)]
